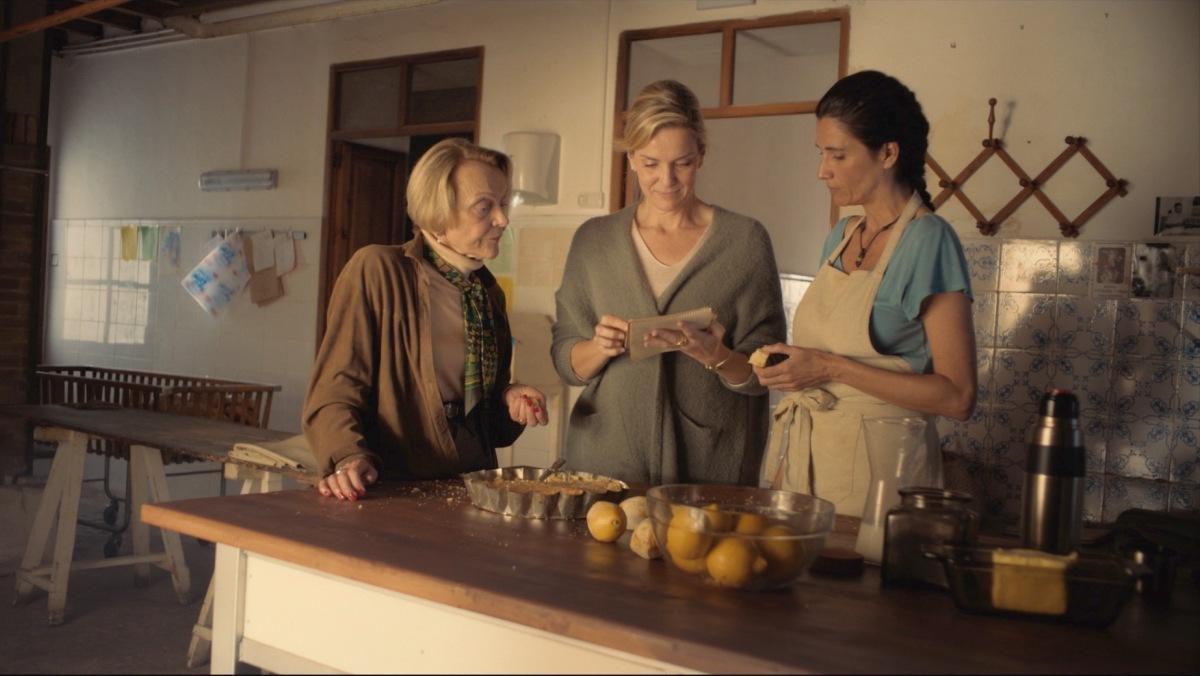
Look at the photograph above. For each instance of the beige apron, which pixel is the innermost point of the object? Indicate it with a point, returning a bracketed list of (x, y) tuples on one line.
[(816, 444)]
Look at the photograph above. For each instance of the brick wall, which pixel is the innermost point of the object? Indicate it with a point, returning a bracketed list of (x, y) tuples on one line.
[(22, 217)]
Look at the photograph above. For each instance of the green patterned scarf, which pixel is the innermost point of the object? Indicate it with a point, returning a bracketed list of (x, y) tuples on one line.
[(479, 373)]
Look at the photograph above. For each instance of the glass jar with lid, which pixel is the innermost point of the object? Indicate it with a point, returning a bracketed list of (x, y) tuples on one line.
[(925, 516)]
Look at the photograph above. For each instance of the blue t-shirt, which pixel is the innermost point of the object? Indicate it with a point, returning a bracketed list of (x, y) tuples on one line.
[(928, 260)]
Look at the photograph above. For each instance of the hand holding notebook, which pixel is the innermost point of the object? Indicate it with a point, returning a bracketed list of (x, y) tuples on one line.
[(635, 339)]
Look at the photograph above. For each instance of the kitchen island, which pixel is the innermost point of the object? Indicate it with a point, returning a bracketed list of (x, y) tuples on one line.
[(413, 578)]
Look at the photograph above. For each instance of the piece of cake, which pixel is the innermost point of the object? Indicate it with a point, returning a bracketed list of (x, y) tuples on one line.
[(1030, 581), (758, 358)]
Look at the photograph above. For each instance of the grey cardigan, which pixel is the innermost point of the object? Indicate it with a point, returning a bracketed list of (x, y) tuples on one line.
[(666, 419)]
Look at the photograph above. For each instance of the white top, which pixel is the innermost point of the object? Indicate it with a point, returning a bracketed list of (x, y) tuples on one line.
[(659, 274)]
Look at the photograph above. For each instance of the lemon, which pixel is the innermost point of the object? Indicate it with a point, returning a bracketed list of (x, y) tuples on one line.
[(606, 521), (693, 566), (750, 524), (783, 556), (686, 536), (721, 522), (733, 562)]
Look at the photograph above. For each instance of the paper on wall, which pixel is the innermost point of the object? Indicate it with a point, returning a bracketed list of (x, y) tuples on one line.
[(264, 285), (220, 276), (285, 253), (264, 250)]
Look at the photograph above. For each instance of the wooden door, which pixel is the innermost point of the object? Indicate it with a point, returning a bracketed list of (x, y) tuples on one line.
[(368, 205)]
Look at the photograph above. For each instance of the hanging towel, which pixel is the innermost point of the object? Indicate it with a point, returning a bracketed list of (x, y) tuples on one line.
[(129, 242), (170, 248), (147, 242), (222, 274)]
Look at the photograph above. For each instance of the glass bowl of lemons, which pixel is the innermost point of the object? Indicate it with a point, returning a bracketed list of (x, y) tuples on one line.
[(738, 537)]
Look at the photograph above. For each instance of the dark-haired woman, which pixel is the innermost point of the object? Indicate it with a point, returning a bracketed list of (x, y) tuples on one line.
[(885, 328)]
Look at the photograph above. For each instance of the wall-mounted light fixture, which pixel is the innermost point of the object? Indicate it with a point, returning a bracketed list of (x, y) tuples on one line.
[(535, 166), (239, 179)]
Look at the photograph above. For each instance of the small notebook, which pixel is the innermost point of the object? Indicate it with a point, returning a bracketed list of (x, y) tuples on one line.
[(638, 328)]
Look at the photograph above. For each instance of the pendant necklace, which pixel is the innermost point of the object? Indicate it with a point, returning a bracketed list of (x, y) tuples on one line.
[(862, 248)]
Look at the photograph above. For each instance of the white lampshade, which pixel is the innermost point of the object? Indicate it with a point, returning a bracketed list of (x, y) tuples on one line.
[(535, 166)]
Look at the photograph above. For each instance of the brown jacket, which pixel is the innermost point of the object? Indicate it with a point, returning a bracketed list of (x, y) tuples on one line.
[(373, 389)]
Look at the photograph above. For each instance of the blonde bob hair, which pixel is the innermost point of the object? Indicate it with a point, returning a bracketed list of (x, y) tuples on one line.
[(660, 105), (431, 198)]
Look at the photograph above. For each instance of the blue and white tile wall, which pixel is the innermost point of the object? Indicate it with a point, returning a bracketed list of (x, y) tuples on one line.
[(1133, 362)]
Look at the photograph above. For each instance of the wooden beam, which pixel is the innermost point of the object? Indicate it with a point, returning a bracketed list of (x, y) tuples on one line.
[(195, 7), (57, 19), (108, 18), (84, 28)]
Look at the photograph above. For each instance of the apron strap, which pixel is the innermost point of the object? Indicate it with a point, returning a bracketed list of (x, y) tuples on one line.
[(906, 216), (791, 437), (910, 209)]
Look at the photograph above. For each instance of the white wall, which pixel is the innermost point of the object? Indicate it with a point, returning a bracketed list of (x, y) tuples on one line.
[(132, 131)]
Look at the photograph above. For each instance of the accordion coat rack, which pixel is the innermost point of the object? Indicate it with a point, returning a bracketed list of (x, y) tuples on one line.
[(1030, 187)]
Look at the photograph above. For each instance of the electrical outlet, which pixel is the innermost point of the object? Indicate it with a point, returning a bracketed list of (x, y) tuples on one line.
[(593, 200)]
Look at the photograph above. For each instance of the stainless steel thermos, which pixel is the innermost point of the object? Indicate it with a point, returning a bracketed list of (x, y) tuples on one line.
[(1052, 502)]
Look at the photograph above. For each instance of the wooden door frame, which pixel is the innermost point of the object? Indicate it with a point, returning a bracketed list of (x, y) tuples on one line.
[(620, 184), (333, 135)]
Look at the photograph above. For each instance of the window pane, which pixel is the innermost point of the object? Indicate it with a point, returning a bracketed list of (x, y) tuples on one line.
[(444, 91), (785, 63), (369, 99), (766, 167), (694, 60)]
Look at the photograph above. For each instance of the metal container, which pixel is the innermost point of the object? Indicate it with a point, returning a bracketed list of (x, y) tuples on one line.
[(925, 517), (1052, 500), (534, 505)]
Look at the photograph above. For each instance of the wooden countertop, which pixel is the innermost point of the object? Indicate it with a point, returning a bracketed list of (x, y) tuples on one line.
[(425, 539), (190, 436)]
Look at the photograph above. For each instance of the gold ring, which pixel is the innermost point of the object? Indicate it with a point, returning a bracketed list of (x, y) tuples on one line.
[(683, 340)]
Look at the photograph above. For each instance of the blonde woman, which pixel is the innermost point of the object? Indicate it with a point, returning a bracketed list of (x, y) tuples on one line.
[(697, 414), (412, 378)]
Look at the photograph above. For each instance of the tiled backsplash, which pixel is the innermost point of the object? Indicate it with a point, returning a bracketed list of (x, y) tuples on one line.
[(1133, 362)]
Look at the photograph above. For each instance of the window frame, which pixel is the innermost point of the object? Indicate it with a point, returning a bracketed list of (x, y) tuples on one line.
[(621, 187)]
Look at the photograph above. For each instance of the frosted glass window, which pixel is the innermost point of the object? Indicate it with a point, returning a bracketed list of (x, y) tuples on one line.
[(369, 99), (694, 60), (443, 91), (785, 63), (766, 167)]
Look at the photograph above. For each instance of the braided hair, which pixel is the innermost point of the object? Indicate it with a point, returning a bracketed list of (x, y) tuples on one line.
[(877, 108)]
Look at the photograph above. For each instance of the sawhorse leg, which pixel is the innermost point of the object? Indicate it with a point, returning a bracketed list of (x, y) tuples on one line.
[(253, 481), (150, 483), (61, 500)]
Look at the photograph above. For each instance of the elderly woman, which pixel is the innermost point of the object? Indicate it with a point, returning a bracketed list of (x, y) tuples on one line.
[(696, 414), (885, 328), (412, 378)]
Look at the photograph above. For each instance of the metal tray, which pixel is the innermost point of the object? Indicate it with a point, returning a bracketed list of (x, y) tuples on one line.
[(534, 505)]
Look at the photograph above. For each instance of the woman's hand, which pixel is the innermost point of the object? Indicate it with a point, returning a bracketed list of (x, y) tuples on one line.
[(704, 344), (526, 405), (609, 336), (350, 481), (803, 368)]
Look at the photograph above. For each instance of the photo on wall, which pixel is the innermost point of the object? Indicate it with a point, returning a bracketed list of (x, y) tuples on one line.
[(1154, 266), (1111, 267), (1177, 216)]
